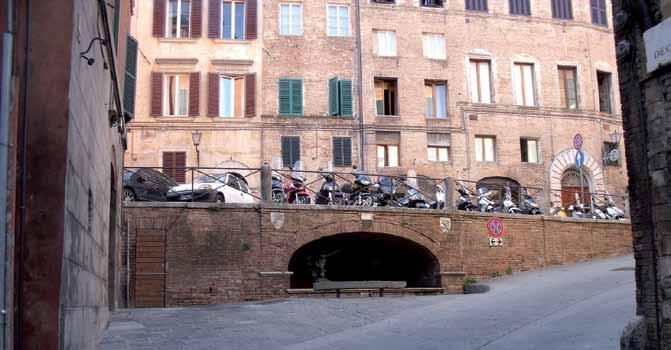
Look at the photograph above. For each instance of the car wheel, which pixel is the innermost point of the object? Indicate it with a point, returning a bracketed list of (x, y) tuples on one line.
[(219, 198), (128, 195)]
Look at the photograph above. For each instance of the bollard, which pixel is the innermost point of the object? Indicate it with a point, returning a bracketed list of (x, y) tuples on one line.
[(266, 183)]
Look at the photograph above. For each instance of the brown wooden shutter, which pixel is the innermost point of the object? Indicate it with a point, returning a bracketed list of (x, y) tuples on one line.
[(159, 18), (250, 95), (251, 21), (168, 165), (196, 18), (156, 94), (213, 94), (214, 19), (194, 94), (180, 167)]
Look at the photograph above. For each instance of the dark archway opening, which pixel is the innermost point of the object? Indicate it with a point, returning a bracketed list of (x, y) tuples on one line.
[(364, 257)]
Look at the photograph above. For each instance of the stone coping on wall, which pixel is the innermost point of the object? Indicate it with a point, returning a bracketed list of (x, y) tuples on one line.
[(313, 207)]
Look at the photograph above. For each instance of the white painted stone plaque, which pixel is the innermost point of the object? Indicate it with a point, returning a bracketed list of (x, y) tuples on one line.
[(658, 45)]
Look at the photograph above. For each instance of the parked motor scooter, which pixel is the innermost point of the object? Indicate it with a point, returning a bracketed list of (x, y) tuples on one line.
[(329, 193), (608, 208), (439, 203), (529, 205), (465, 201), (509, 206), (360, 192), (485, 202), (385, 192), (277, 191), (295, 188)]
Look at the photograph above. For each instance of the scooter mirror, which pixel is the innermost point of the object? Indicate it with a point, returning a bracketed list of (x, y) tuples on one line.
[(412, 178)]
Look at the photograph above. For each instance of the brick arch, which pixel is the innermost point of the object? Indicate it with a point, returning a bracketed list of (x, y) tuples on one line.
[(310, 234), (566, 160)]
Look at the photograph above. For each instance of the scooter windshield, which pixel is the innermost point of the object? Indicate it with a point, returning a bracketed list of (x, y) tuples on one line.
[(297, 171)]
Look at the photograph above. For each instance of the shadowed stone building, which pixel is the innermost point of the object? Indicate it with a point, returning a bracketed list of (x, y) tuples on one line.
[(643, 37)]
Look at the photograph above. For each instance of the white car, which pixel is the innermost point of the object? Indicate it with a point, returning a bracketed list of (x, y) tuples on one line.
[(219, 188)]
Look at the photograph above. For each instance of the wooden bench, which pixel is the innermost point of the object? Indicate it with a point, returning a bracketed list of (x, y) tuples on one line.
[(340, 285)]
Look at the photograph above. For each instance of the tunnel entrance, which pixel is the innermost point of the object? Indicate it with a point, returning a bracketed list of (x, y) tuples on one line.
[(364, 257)]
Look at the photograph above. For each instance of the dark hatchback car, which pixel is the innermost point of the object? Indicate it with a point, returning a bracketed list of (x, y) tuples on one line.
[(146, 185)]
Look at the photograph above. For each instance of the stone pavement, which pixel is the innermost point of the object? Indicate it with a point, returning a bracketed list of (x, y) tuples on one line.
[(583, 306)]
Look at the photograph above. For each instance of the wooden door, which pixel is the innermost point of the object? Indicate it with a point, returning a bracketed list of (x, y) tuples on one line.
[(149, 286)]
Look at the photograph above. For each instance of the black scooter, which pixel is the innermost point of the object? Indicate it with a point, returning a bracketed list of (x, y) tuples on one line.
[(330, 193)]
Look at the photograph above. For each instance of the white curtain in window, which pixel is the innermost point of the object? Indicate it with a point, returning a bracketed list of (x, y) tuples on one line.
[(489, 149), (386, 43), (434, 46), (332, 21), (393, 155), (485, 88), (285, 19), (443, 154), (296, 19), (343, 19), (380, 156), (523, 85), (478, 149), (532, 151)]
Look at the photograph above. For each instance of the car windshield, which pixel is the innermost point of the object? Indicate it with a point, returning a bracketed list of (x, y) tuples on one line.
[(210, 178)]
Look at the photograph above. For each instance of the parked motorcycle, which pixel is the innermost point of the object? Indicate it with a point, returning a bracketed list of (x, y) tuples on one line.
[(330, 192), (385, 192), (608, 208), (277, 190), (294, 189), (465, 201), (360, 192)]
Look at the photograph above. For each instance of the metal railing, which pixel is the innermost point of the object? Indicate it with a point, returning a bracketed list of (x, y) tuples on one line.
[(265, 184)]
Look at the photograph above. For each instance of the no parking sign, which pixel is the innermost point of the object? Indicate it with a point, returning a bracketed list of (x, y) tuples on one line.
[(496, 229)]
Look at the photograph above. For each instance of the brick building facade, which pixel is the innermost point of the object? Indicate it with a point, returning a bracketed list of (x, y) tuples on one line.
[(465, 89), (63, 128)]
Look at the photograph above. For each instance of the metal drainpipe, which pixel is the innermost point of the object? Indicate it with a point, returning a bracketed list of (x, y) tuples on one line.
[(7, 58), (359, 63)]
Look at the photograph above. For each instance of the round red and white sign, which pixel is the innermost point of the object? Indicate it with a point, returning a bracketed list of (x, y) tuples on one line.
[(577, 141), (496, 227)]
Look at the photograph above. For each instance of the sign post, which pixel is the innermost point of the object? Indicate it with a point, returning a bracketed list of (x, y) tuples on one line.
[(580, 162)]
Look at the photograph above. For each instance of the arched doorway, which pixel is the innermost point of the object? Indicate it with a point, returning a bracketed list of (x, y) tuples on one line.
[(565, 161), (364, 257), (570, 188)]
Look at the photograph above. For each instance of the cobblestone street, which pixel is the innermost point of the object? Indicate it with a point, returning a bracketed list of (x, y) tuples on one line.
[(582, 306)]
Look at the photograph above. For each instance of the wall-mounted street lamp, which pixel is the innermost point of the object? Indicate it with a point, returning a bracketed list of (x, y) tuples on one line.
[(615, 137), (195, 137)]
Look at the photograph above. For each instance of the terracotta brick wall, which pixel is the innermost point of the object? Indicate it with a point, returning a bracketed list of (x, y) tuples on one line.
[(240, 253)]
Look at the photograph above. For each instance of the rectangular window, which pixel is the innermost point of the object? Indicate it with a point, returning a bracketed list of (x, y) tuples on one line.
[(342, 151), (174, 166), (480, 81), (568, 87), (291, 19), (231, 96), (529, 150), (523, 84), (233, 20), (386, 43), (604, 81), (520, 7), (290, 96), (435, 94), (438, 147), (387, 148), (432, 3), (178, 19), (337, 23), (385, 96), (476, 5), (598, 8), (340, 97), (291, 150), (562, 9), (434, 46), (485, 147), (384, 1), (176, 94)]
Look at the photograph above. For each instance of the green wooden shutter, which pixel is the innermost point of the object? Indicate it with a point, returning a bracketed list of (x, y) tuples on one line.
[(295, 149), (333, 97), (291, 150), (286, 152), (345, 93), (337, 151), (284, 96), (297, 97), (130, 77), (347, 151)]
